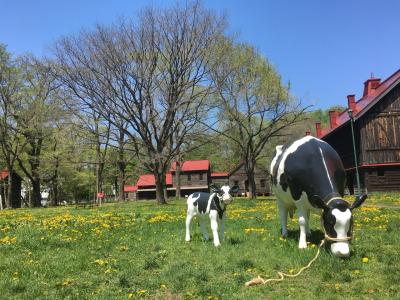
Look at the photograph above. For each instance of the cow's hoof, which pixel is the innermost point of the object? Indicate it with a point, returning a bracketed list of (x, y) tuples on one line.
[(301, 246), (187, 239), (217, 245)]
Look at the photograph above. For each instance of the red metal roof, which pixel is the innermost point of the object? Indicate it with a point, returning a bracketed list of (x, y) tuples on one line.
[(147, 180), (192, 165), (130, 188), (4, 174), (365, 103), (219, 174)]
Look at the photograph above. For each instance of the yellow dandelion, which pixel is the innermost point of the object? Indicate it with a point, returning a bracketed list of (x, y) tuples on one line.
[(67, 282), (365, 260)]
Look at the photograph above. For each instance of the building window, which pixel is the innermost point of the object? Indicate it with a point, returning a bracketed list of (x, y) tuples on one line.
[(381, 173), (189, 177), (201, 176), (262, 183)]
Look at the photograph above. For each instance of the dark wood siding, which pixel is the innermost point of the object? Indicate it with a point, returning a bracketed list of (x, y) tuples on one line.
[(220, 181), (239, 176), (382, 179), (198, 178), (380, 131), (342, 142)]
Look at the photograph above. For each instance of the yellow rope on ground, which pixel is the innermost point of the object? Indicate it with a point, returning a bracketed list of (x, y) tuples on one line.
[(260, 280)]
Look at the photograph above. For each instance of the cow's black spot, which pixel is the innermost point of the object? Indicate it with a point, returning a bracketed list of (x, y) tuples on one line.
[(202, 201), (216, 205), (283, 182), (305, 171)]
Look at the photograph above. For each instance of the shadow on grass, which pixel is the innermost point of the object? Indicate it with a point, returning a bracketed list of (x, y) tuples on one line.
[(315, 237)]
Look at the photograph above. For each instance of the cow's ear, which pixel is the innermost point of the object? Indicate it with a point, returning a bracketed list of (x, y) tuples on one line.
[(318, 202), (359, 201), (234, 189)]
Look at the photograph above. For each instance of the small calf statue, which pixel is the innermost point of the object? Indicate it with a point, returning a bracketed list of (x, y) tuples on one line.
[(214, 205)]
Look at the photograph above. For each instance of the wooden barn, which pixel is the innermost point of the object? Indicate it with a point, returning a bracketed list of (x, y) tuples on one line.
[(376, 120), (238, 177), (196, 176)]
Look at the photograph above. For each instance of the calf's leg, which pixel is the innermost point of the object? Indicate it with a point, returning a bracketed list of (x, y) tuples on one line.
[(214, 226), (203, 227), (189, 217)]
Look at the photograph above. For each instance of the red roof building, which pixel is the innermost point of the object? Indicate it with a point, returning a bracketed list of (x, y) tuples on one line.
[(192, 165), (4, 174), (376, 117)]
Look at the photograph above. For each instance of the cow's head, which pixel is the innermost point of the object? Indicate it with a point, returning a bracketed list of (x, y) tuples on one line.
[(337, 221), (224, 193)]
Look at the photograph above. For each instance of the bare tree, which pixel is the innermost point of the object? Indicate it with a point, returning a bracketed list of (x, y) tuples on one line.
[(253, 104), (152, 74)]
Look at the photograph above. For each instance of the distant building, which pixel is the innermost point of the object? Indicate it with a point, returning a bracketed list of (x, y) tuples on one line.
[(195, 176), (376, 118)]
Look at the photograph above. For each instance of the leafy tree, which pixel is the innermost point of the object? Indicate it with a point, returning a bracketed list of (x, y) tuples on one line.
[(253, 105), (11, 141)]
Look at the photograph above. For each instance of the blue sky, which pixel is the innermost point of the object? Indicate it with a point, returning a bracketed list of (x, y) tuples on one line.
[(327, 49)]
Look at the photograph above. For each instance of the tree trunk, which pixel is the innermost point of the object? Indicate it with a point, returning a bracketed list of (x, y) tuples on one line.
[(160, 186), (9, 191), (55, 186), (99, 180), (178, 178), (121, 183), (36, 195), (249, 166), (121, 166)]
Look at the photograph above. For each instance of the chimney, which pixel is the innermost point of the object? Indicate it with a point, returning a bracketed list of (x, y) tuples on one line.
[(370, 85), (318, 128), (332, 118), (351, 100), (308, 132)]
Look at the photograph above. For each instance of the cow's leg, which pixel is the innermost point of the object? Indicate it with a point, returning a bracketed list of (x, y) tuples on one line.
[(203, 227), (189, 218), (222, 227), (283, 213), (308, 231), (303, 224), (214, 226)]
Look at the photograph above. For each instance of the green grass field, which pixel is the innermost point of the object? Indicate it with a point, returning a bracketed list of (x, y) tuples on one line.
[(137, 250)]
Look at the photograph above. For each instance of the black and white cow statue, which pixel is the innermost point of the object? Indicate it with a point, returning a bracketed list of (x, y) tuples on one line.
[(212, 205), (309, 175)]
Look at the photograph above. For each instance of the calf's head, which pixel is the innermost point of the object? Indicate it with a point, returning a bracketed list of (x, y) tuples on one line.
[(224, 193), (337, 221)]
